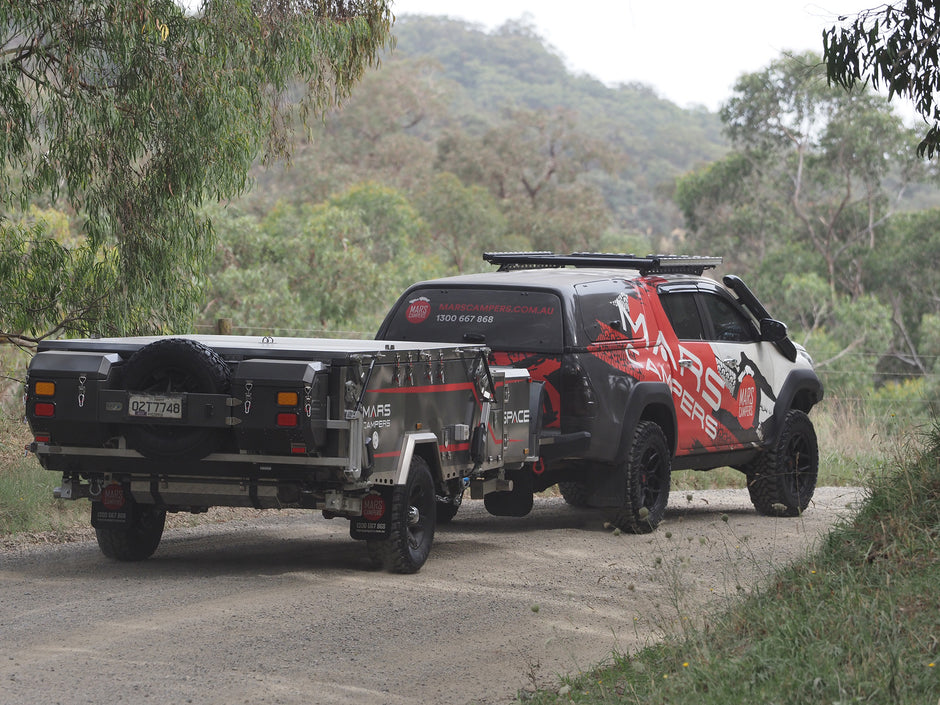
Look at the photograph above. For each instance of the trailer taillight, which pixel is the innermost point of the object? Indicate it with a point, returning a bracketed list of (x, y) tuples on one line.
[(287, 420), (45, 409), (44, 389)]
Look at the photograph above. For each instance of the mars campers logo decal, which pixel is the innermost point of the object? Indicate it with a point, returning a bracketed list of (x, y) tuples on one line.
[(747, 402), (418, 310), (112, 496)]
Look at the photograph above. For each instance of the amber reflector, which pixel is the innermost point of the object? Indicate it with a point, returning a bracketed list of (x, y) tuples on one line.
[(287, 398)]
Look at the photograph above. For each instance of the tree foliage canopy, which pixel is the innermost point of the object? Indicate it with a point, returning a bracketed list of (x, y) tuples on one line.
[(896, 47), (130, 114)]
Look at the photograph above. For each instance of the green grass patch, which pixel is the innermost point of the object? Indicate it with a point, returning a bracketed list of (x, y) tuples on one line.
[(857, 622), (27, 504), (26, 501)]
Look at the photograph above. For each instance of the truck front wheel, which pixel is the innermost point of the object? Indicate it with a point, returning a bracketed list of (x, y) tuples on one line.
[(135, 541), (782, 480), (412, 520)]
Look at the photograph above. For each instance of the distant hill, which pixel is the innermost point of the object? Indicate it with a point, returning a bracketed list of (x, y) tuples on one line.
[(513, 66)]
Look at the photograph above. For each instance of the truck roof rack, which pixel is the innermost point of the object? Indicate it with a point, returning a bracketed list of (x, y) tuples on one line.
[(651, 264)]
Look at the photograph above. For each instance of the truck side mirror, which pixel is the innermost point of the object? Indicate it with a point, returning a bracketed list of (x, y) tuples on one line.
[(772, 331)]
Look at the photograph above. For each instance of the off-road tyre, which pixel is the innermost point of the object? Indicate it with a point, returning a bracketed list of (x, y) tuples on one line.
[(412, 517), (782, 480), (175, 365), (646, 469), (518, 501), (136, 541), (448, 506), (574, 493)]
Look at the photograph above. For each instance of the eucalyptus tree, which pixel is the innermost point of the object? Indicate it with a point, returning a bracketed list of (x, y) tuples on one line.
[(895, 46), (812, 166), (130, 115)]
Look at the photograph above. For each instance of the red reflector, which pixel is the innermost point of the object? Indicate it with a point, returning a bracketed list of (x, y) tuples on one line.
[(44, 408), (42, 439), (298, 449), (285, 419)]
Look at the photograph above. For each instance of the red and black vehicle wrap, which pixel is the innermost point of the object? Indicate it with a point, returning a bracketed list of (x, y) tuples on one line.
[(609, 355)]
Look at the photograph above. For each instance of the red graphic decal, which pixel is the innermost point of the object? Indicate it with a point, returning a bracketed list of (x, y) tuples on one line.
[(425, 389), (112, 496), (418, 310), (373, 507)]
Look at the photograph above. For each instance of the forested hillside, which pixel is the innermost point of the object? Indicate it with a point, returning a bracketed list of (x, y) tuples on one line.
[(462, 140)]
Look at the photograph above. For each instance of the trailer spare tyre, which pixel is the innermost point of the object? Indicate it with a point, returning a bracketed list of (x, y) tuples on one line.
[(174, 366)]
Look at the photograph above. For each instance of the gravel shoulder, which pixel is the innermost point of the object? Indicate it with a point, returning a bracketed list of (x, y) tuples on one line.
[(283, 608)]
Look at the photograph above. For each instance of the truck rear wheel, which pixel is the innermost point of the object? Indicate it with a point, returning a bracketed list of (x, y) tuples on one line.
[(136, 541), (647, 472), (782, 480), (173, 366), (412, 519)]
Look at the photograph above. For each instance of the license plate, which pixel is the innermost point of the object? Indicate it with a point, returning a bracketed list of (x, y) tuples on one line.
[(154, 406)]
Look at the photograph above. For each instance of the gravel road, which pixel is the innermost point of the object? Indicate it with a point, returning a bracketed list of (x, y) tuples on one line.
[(282, 607)]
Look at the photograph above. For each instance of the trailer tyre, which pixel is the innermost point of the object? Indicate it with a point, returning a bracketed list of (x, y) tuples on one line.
[(412, 520), (448, 506), (518, 501), (136, 541), (173, 366), (574, 493)]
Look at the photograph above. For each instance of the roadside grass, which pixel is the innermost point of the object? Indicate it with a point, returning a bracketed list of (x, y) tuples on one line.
[(857, 622), (26, 501)]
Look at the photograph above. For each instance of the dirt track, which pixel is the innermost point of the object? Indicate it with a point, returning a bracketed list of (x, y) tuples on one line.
[(283, 608)]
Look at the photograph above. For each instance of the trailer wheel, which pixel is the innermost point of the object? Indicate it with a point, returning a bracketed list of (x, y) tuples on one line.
[(647, 471), (413, 515), (173, 366), (447, 506), (138, 540), (782, 480), (518, 501), (574, 493)]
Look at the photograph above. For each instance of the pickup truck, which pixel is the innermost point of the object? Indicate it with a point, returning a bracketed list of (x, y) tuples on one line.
[(387, 434)]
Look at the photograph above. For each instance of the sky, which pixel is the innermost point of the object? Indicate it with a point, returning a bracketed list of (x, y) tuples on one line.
[(690, 51)]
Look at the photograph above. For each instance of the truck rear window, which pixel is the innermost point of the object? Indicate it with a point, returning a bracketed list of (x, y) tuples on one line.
[(503, 319)]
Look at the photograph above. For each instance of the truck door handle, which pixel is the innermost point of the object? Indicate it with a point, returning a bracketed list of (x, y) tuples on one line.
[(685, 362)]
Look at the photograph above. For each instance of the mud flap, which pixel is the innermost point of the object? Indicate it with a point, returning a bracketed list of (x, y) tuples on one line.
[(375, 521), (114, 509)]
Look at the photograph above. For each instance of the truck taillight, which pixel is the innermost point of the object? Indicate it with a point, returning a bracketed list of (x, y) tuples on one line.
[(577, 394), (44, 389), (44, 409)]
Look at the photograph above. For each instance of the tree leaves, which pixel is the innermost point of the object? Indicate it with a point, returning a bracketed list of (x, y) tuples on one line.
[(136, 114), (897, 48)]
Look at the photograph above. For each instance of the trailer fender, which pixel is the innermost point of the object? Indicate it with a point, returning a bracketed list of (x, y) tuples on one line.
[(424, 444)]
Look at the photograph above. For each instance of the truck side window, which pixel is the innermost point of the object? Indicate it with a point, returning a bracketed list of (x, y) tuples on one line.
[(608, 310), (683, 314), (728, 323)]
